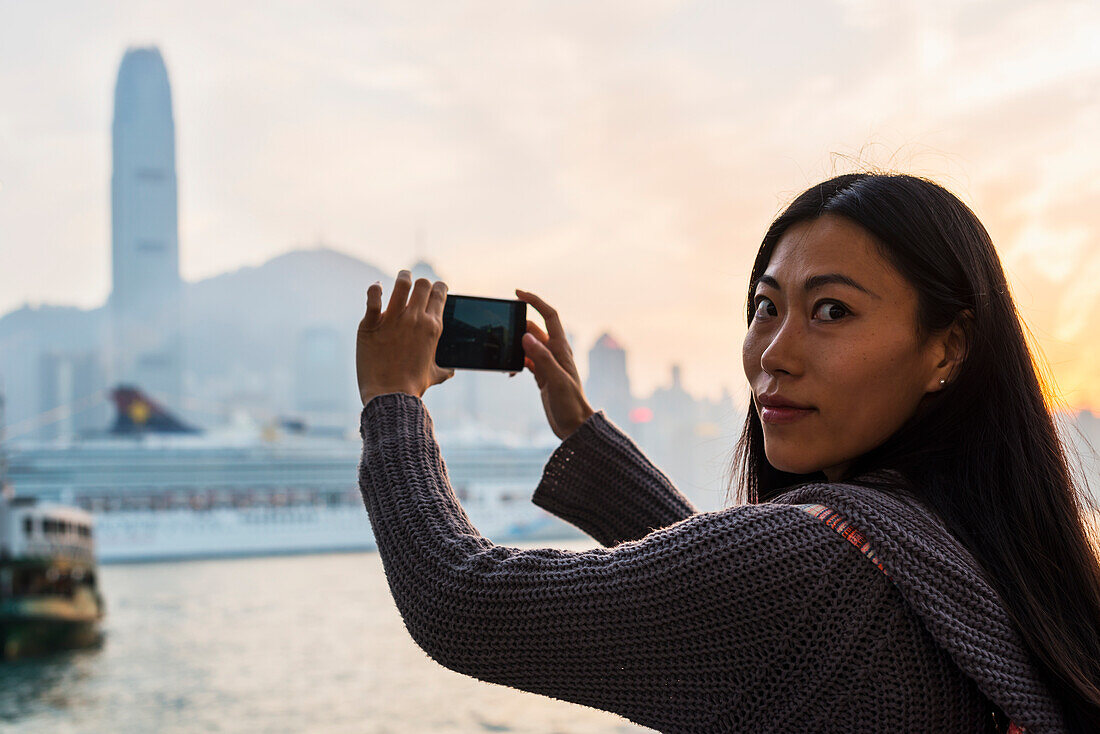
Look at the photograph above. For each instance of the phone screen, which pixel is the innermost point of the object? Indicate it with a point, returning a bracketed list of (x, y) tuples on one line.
[(482, 334)]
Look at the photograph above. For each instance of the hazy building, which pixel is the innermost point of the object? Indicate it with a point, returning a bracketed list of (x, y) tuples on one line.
[(608, 386), (673, 404), (669, 435), (145, 344), (322, 392), (71, 400), (690, 439), (423, 269)]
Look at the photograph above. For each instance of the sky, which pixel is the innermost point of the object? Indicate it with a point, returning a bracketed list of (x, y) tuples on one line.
[(620, 159)]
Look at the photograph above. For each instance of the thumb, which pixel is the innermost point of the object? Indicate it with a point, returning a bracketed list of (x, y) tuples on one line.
[(441, 374), (546, 365)]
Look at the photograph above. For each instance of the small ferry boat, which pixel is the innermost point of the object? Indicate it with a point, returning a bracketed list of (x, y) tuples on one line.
[(48, 595)]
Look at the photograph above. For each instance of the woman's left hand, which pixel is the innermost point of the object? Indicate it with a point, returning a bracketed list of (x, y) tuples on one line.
[(395, 348)]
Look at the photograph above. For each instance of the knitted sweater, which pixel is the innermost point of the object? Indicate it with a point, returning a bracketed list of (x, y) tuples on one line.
[(754, 618)]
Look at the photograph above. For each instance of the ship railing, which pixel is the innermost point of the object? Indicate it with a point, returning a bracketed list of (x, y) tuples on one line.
[(72, 551)]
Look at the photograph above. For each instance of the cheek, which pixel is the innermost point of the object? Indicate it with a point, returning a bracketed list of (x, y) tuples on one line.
[(863, 390), (751, 349), (870, 394)]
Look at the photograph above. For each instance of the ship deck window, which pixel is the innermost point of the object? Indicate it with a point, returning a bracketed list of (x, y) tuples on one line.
[(42, 582), (28, 526)]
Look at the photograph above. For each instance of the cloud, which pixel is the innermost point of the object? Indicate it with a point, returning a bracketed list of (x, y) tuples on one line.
[(621, 159)]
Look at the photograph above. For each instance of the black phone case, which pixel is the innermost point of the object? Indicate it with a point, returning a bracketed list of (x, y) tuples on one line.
[(492, 346)]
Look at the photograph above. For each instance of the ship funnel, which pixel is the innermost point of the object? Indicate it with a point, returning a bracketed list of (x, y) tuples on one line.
[(137, 413)]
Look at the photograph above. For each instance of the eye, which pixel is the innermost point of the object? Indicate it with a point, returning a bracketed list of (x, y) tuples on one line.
[(834, 310), (760, 300)]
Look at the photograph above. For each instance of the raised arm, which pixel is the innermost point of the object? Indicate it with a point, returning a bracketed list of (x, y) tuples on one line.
[(600, 481), (721, 617)]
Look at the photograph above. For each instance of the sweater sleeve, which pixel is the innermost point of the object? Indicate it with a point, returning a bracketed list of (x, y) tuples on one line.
[(599, 480), (730, 611)]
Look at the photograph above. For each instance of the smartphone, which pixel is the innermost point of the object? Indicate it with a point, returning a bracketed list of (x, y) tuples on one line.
[(482, 334)]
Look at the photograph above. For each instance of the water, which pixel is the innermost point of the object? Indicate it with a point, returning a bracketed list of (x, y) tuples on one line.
[(279, 644)]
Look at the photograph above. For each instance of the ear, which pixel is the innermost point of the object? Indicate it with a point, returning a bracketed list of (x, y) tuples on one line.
[(951, 349)]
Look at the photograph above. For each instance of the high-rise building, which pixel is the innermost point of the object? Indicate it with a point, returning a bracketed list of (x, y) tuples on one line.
[(70, 387), (608, 386), (145, 310), (690, 439)]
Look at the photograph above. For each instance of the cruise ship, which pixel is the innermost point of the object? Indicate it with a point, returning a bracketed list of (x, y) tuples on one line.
[(160, 489)]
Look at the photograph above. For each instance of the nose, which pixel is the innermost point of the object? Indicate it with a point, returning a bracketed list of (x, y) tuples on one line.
[(784, 353)]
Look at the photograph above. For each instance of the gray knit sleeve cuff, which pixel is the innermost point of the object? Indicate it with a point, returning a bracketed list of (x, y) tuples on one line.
[(599, 480)]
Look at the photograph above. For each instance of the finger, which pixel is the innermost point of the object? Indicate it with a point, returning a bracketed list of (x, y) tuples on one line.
[(418, 303), (374, 305), (401, 287), (559, 348), (549, 315), (441, 374), (436, 298), (545, 364), (537, 331)]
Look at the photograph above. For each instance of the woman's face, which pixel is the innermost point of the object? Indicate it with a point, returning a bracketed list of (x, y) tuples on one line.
[(847, 349)]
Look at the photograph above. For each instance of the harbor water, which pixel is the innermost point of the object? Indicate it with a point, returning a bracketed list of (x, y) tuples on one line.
[(307, 643)]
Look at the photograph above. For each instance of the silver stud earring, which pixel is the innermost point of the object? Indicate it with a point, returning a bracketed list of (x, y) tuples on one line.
[(942, 381)]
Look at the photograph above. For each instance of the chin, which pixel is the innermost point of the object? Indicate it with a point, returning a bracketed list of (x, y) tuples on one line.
[(794, 466)]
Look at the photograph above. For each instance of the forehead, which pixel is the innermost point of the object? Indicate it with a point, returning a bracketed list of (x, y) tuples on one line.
[(832, 244)]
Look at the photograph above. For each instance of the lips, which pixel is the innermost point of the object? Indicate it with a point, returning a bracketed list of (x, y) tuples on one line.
[(776, 409), (775, 400)]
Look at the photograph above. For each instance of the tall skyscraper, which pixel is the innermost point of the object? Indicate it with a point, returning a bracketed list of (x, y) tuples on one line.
[(608, 386), (145, 311)]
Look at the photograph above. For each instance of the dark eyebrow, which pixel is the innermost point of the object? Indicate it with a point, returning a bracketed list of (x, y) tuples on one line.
[(816, 281)]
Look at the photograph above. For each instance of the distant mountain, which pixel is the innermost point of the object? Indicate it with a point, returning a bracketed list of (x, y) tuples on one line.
[(79, 326), (301, 286), (242, 332), (244, 328)]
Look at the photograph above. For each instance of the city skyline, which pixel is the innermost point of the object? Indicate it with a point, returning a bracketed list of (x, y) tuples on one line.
[(659, 143)]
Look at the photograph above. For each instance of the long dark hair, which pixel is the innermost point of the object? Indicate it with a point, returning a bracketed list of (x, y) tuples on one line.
[(984, 453)]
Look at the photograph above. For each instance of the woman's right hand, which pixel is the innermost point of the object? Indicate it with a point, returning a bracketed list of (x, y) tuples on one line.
[(550, 359)]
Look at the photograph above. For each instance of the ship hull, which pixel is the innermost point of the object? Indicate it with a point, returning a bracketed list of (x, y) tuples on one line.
[(154, 500), (22, 637), (125, 537), (128, 537), (32, 626)]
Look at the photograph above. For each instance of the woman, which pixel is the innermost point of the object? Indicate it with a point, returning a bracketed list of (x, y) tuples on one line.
[(912, 554)]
